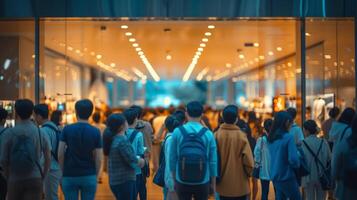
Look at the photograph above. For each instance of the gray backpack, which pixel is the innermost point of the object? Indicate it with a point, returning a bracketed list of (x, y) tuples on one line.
[(24, 158)]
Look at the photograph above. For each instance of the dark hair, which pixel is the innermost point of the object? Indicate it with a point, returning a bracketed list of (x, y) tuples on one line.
[(230, 114), (56, 117), (24, 108), (139, 110), (292, 112), (311, 126), (267, 125), (114, 123), (171, 123), (278, 127), (180, 116), (3, 114), (347, 116), (194, 109), (84, 108), (352, 140), (252, 117), (42, 110), (130, 115), (334, 112), (96, 117)]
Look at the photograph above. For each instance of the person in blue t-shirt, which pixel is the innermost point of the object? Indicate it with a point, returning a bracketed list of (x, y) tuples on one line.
[(136, 139), (80, 154), (284, 158)]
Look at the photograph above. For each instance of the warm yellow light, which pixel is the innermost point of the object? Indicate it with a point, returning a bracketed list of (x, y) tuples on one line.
[(261, 57), (289, 64), (142, 57), (92, 53), (228, 65), (78, 51), (33, 56), (200, 49), (112, 64), (135, 45), (70, 48), (256, 59), (132, 40), (198, 53), (202, 45), (124, 27), (208, 34), (140, 53), (128, 34), (241, 56), (211, 26), (138, 49), (279, 48), (328, 56), (256, 44), (307, 34), (168, 57), (270, 53), (204, 39), (99, 56)]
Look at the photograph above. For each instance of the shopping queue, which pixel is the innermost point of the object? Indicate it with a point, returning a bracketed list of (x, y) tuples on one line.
[(38, 156)]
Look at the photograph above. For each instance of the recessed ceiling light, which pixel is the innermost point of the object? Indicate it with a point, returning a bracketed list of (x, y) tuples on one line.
[(112, 64), (228, 65), (135, 45), (124, 27), (328, 56), (99, 56), (196, 56), (289, 64), (138, 49), (168, 57), (270, 53), (200, 49), (307, 34), (204, 39), (128, 34), (198, 53), (140, 53), (78, 51), (142, 57), (70, 48), (202, 45), (241, 56), (208, 34), (211, 26), (279, 48), (132, 40), (261, 57), (256, 44)]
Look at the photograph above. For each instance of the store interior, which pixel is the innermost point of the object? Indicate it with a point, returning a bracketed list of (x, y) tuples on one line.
[(255, 63)]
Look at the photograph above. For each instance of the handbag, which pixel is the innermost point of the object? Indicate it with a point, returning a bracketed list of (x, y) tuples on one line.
[(324, 176)]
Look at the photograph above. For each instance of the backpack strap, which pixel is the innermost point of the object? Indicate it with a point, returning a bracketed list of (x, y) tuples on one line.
[(54, 151), (202, 131), (133, 135), (317, 160), (3, 130), (183, 131), (36, 160), (343, 133)]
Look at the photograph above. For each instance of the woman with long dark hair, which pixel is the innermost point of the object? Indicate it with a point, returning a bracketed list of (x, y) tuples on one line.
[(341, 129), (284, 158), (344, 166)]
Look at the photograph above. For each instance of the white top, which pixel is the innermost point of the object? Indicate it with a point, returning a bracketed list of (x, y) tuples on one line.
[(262, 157)]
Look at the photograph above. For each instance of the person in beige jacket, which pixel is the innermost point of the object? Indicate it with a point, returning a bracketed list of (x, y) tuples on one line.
[(236, 159)]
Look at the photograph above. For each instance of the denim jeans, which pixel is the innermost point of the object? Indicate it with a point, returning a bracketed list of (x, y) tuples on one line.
[(51, 184), (141, 187), (86, 186), (125, 190), (265, 188), (287, 190)]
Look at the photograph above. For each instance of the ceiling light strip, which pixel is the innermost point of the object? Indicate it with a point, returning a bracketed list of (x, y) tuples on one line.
[(202, 74)]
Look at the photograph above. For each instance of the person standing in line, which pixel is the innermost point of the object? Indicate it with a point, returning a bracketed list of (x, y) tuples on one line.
[(262, 159), (295, 130), (342, 128), (327, 124), (21, 150), (197, 176), (3, 185), (122, 158), (80, 154), (344, 167), (52, 134), (57, 118), (284, 158), (236, 164), (136, 139), (314, 147), (158, 126), (97, 122)]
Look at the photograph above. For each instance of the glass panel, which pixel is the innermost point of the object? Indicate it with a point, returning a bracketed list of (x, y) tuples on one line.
[(329, 66)]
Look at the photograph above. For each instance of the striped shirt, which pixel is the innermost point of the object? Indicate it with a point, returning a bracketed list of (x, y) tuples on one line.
[(122, 161)]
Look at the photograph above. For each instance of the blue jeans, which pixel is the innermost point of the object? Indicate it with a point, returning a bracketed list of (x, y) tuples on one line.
[(141, 187), (287, 190), (125, 190), (85, 185), (265, 188), (51, 183)]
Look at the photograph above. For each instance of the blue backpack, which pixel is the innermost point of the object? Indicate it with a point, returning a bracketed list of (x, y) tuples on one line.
[(57, 131), (192, 157)]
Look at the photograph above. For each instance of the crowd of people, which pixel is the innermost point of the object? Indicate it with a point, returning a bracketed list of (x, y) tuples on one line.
[(189, 151)]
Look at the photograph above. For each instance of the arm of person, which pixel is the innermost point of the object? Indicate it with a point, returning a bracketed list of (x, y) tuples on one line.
[(127, 152), (248, 161), (140, 144), (213, 160), (61, 150), (160, 133), (257, 150), (293, 157), (173, 154)]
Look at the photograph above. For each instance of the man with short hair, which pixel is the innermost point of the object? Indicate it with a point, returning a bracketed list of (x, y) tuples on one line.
[(21, 151), (81, 163), (236, 164), (3, 186), (327, 124), (295, 130), (136, 139), (193, 157), (52, 134)]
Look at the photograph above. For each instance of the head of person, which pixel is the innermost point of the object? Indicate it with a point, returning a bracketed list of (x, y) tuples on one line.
[(23, 109), (347, 116), (96, 117), (40, 113), (230, 114), (117, 123), (56, 117), (352, 140), (292, 112), (252, 117), (310, 128), (171, 123), (84, 109), (139, 110), (194, 111), (281, 125), (267, 125), (131, 116), (180, 116), (334, 112), (3, 116)]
